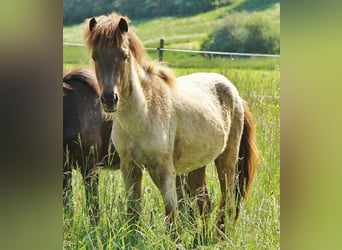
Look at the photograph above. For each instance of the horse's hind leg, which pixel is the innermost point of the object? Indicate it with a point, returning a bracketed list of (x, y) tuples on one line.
[(226, 169), (183, 193), (199, 192)]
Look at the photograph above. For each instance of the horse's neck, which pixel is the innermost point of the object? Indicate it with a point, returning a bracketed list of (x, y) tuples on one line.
[(134, 100)]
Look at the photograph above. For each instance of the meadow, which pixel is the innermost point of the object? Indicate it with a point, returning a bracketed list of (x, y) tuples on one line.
[(258, 81)]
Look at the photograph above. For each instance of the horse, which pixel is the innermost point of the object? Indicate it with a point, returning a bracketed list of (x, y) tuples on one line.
[(86, 134), (171, 126)]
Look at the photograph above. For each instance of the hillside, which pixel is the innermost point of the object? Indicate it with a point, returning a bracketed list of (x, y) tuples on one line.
[(178, 32)]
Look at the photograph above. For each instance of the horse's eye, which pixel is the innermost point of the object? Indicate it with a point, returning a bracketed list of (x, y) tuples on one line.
[(124, 57), (93, 57)]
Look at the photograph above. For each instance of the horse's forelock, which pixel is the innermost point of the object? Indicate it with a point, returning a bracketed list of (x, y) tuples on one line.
[(104, 32)]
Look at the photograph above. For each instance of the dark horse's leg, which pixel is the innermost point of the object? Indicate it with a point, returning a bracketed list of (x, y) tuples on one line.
[(90, 178), (199, 192), (66, 186), (67, 190), (92, 201), (67, 175)]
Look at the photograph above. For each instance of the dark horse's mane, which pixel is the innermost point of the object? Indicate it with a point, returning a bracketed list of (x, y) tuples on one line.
[(84, 75), (106, 34)]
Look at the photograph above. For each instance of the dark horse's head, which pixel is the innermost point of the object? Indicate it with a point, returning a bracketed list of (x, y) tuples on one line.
[(107, 38)]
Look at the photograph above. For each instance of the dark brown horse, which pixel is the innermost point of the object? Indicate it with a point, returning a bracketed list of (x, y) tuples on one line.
[(86, 134)]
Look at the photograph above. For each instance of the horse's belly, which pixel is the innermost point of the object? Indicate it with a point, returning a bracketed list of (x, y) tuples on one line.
[(197, 152)]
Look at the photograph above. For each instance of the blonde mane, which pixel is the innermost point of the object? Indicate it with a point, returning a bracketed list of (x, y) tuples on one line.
[(106, 34)]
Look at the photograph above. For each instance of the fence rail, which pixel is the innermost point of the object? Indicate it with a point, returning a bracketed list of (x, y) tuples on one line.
[(73, 44), (161, 49)]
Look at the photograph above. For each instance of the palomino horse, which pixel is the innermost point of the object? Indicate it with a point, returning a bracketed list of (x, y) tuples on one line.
[(169, 126), (86, 133)]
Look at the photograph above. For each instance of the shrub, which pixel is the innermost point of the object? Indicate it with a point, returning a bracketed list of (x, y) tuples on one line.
[(256, 32)]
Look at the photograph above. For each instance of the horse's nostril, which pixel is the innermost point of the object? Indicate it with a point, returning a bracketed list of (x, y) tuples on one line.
[(109, 101), (107, 98)]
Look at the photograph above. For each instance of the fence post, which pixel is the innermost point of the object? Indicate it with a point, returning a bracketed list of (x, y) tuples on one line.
[(161, 46)]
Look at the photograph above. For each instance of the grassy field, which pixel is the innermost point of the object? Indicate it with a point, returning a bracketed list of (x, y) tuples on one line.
[(258, 81), (258, 227)]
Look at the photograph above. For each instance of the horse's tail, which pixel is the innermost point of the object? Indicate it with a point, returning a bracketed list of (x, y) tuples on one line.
[(248, 158)]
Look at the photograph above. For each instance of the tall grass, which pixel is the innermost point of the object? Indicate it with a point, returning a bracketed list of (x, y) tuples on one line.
[(258, 81), (259, 225)]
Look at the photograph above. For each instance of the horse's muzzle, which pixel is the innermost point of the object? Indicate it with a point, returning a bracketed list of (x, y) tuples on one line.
[(109, 102)]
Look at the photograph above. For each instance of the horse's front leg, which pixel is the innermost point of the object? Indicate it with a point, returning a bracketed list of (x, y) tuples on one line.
[(132, 176), (164, 178), (92, 197)]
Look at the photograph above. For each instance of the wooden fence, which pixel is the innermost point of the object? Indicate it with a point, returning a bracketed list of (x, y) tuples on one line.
[(161, 50)]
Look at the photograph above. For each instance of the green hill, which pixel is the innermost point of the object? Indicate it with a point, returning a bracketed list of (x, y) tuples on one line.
[(178, 32)]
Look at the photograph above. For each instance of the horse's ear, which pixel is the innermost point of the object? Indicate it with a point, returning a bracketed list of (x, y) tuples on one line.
[(123, 25), (92, 23)]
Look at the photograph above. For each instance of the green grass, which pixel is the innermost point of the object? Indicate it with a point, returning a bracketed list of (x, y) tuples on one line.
[(258, 81), (259, 225)]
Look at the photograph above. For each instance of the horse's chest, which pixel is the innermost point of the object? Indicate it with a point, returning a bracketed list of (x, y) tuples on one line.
[(142, 144)]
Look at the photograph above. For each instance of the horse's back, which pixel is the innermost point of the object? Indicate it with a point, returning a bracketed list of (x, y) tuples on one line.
[(82, 114), (205, 106), (210, 89), (206, 81), (84, 77)]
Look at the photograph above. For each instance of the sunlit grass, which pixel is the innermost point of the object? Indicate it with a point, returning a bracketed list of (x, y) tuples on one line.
[(259, 225), (258, 81)]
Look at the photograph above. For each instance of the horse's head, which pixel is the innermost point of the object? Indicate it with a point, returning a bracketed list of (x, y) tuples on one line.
[(107, 40)]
